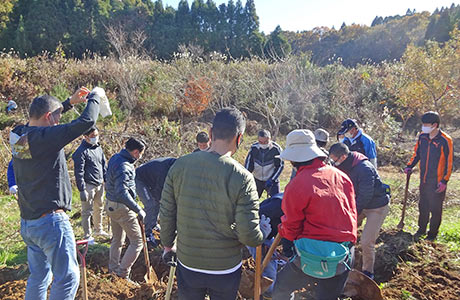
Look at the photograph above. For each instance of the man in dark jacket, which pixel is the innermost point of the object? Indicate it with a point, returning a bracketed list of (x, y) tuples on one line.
[(150, 178), (122, 207), (45, 192), (435, 151), (264, 162), (372, 198), (89, 169), (357, 140), (210, 203)]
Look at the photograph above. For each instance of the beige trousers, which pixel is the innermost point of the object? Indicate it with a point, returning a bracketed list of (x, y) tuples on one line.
[(124, 223), (374, 220), (93, 207)]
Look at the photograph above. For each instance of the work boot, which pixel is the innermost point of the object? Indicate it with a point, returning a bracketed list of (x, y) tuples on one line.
[(418, 235)]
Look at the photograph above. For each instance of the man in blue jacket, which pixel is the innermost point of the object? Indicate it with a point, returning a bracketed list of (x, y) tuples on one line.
[(372, 198), (357, 140), (122, 207), (45, 192), (150, 178), (90, 168), (264, 162)]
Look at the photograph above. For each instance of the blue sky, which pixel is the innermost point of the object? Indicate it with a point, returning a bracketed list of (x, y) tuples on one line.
[(298, 15)]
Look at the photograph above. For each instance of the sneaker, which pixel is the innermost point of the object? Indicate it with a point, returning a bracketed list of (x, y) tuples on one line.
[(430, 238), (369, 274), (129, 280), (102, 234), (418, 235)]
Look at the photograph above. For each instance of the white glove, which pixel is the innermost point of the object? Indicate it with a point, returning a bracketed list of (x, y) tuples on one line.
[(265, 226), (141, 215), (14, 189), (104, 106)]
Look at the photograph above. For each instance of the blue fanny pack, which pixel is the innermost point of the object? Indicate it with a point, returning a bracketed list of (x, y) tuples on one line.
[(320, 259)]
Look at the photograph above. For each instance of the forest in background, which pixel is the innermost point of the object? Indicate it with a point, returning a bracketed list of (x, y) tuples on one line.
[(80, 27)]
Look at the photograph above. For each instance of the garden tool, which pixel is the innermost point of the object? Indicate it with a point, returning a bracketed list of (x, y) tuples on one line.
[(258, 273), (150, 276), (406, 193), (82, 254), (172, 270), (361, 286), (270, 252)]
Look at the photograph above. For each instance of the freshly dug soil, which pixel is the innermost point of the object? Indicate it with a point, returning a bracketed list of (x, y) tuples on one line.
[(406, 269)]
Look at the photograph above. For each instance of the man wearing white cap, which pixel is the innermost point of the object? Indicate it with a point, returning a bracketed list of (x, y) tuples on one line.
[(320, 218)]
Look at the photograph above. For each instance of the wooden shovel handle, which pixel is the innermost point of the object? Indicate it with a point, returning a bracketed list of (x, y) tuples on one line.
[(258, 273), (271, 251)]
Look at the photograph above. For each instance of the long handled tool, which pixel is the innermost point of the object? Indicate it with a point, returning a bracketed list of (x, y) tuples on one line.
[(406, 193), (270, 252), (82, 255), (172, 271), (150, 276), (258, 273), (359, 285)]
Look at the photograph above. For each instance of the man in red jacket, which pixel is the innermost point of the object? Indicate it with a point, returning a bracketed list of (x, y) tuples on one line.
[(318, 204)]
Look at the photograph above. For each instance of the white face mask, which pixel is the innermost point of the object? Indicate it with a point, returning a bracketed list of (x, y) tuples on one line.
[(264, 146), (94, 140), (349, 135), (427, 129), (341, 140)]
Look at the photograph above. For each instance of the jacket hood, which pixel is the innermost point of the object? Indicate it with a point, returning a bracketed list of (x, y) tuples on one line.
[(357, 158)]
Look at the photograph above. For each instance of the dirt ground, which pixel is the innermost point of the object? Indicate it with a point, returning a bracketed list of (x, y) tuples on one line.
[(406, 269)]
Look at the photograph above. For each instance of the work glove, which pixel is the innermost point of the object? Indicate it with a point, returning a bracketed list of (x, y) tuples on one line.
[(441, 187), (141, 215), (268, 184), (14, 189), (265, 226), (169, 256), (407, 170), (84, 196)]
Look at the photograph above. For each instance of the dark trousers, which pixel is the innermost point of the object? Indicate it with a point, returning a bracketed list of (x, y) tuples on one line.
[(195, 285), (430, 203), (275, 189), (291, 278)]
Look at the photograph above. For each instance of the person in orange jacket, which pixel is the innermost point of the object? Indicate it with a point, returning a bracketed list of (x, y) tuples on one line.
[(434, 150)]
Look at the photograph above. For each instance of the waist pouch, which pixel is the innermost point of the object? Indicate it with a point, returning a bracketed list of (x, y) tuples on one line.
[(320, 259)]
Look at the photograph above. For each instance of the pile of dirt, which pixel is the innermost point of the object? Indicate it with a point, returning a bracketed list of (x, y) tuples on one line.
[(423, 270)]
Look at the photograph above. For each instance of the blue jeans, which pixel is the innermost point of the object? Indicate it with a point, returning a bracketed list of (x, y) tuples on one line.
[(51, 253)]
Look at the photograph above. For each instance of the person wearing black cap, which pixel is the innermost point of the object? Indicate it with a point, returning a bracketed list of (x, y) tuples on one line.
[(434, 150), (357, 140)]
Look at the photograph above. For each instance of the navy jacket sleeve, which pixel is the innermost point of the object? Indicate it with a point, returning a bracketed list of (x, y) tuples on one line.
[(121, 183), (56, 137), (279, 166), (364, 188), (10, 175), (249, 162), (79, 169)]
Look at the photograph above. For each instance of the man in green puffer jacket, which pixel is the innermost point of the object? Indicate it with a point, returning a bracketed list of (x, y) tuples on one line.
[(211, 201)]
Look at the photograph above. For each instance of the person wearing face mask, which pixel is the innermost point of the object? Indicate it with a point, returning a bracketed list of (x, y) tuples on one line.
[(264, 162), (434, 150), (209, 202), (90, 170), (122, 207), (202, 141), (371, 195), (45, 192), (357, 140)]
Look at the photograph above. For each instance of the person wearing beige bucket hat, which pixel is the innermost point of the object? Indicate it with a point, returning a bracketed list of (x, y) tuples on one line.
[(319, 213)]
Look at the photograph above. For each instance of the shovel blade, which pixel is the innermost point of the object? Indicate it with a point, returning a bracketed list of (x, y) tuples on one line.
[(150, 277), (400, 226), (361, 286)]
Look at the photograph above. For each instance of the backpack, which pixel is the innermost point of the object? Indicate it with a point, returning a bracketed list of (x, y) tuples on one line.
[(320, 259)]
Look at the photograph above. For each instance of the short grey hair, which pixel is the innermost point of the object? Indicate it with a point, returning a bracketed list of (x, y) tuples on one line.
[(43, 104)]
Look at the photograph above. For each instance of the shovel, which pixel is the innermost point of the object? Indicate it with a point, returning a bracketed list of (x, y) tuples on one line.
[(172, 271), (406, 193), (82, 254), (258, 273), (359, 285), (150, 277)]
